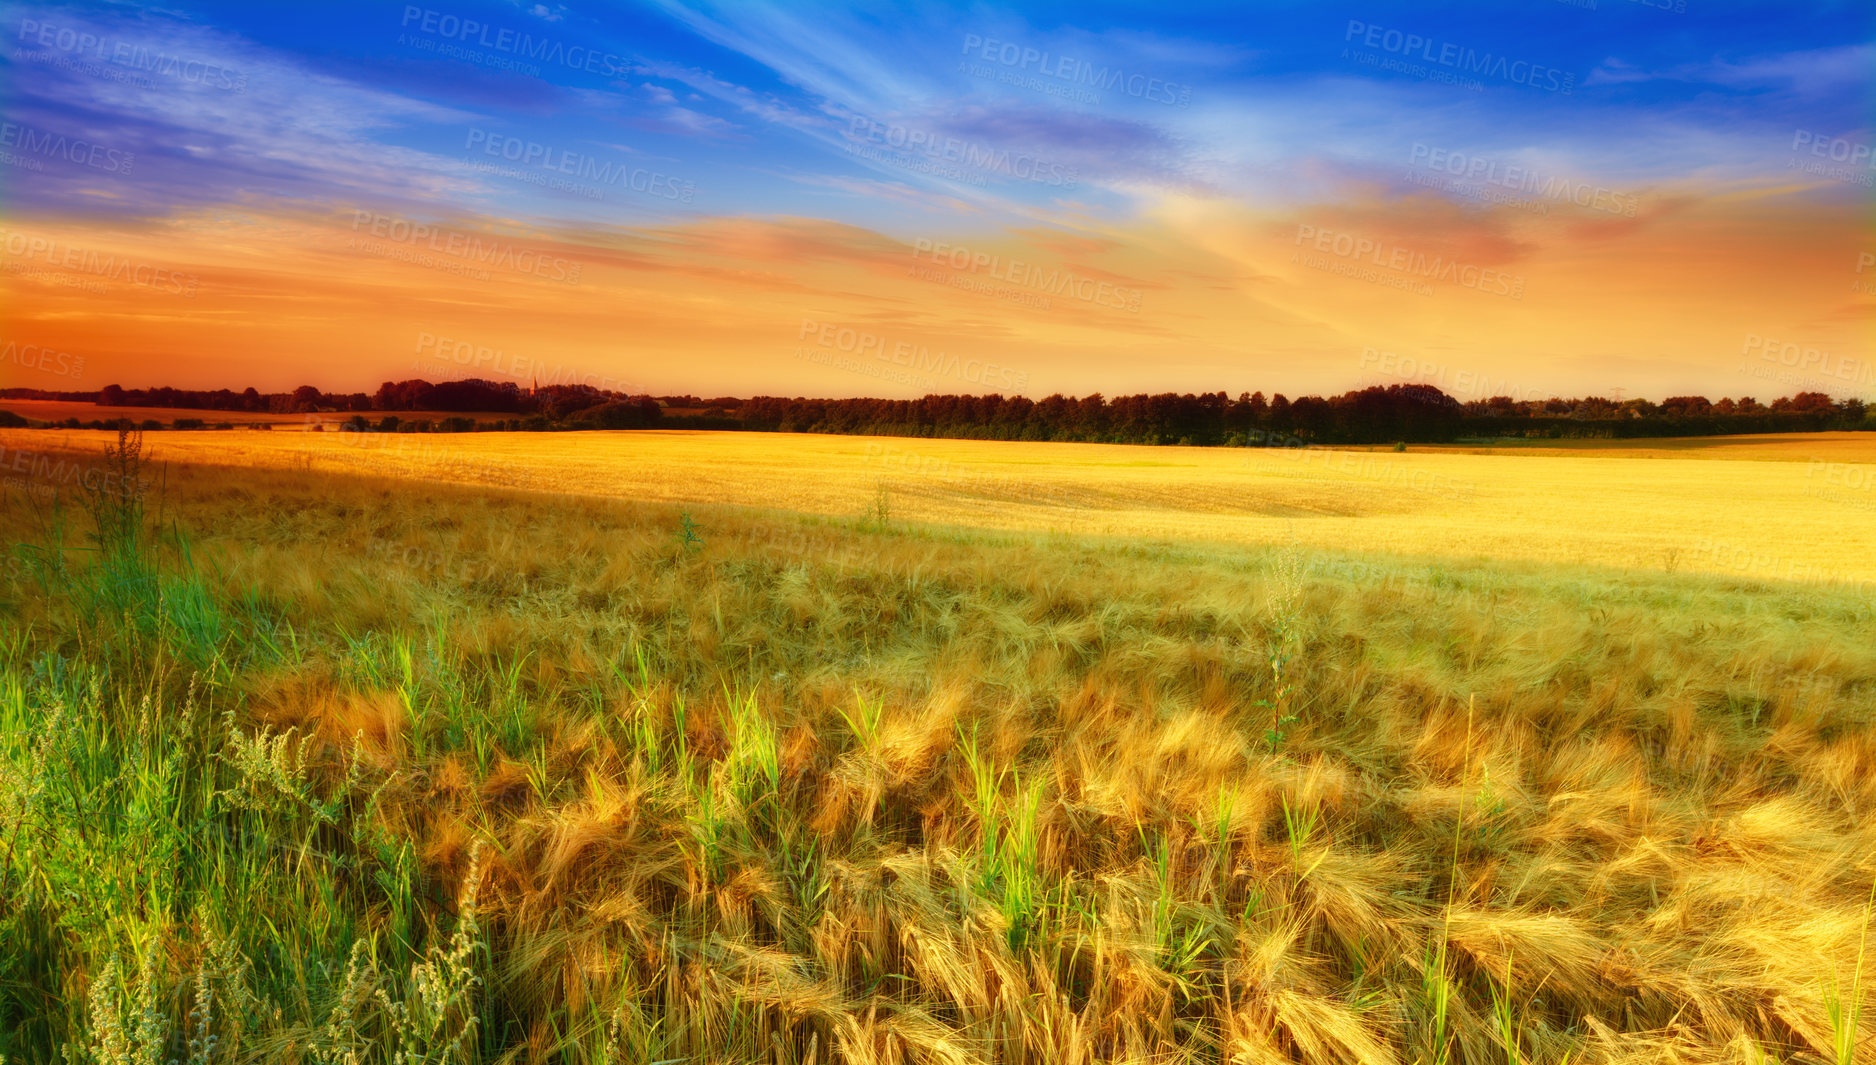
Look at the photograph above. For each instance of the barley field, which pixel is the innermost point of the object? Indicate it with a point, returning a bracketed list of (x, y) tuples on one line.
[(1794, 508), (676, 747)]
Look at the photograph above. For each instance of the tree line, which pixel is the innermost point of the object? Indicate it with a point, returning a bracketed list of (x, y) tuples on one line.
[(1406, 413)]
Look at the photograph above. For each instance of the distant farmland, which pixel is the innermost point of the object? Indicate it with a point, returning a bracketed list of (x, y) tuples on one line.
[(1799, 507), (57, 410)]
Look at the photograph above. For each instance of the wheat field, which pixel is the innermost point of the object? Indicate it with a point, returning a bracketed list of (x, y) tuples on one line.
[(1793, 508), (662, 747)]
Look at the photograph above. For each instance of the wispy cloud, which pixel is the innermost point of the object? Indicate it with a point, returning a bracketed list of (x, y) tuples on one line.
[(1812, 72)]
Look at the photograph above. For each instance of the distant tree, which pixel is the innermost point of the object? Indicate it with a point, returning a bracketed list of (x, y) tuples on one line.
[(619, 414), (403, 395), (475, 394), (1812, 403), (559, 401), (1310, 418), (111, 396)]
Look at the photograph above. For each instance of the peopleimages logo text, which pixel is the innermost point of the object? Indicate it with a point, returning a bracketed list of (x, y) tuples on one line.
[(577, 164), (1836, 149), (861, 342), (1524, 179), (71, 149), (130, 55), (913, 142), (1055, 282), (541, 49), (1076, 71), (41, 358), (1356, 247), (1459, 57), (469, 248), (97, 264)]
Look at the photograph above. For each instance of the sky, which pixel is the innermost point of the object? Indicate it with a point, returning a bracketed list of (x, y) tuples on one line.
[(1529, 197)]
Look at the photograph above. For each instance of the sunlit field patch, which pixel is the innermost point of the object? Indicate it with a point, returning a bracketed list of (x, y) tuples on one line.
[(1796, 508)]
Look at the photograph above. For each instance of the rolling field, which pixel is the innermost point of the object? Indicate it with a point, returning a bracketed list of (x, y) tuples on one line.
[(676, 747), (1793, 508)]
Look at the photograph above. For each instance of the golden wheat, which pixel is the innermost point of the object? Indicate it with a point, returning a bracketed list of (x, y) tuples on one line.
[(1797, 508), (820, 790)]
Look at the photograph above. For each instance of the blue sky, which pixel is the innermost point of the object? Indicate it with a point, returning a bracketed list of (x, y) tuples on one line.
[(755, 104), (816, 133)]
